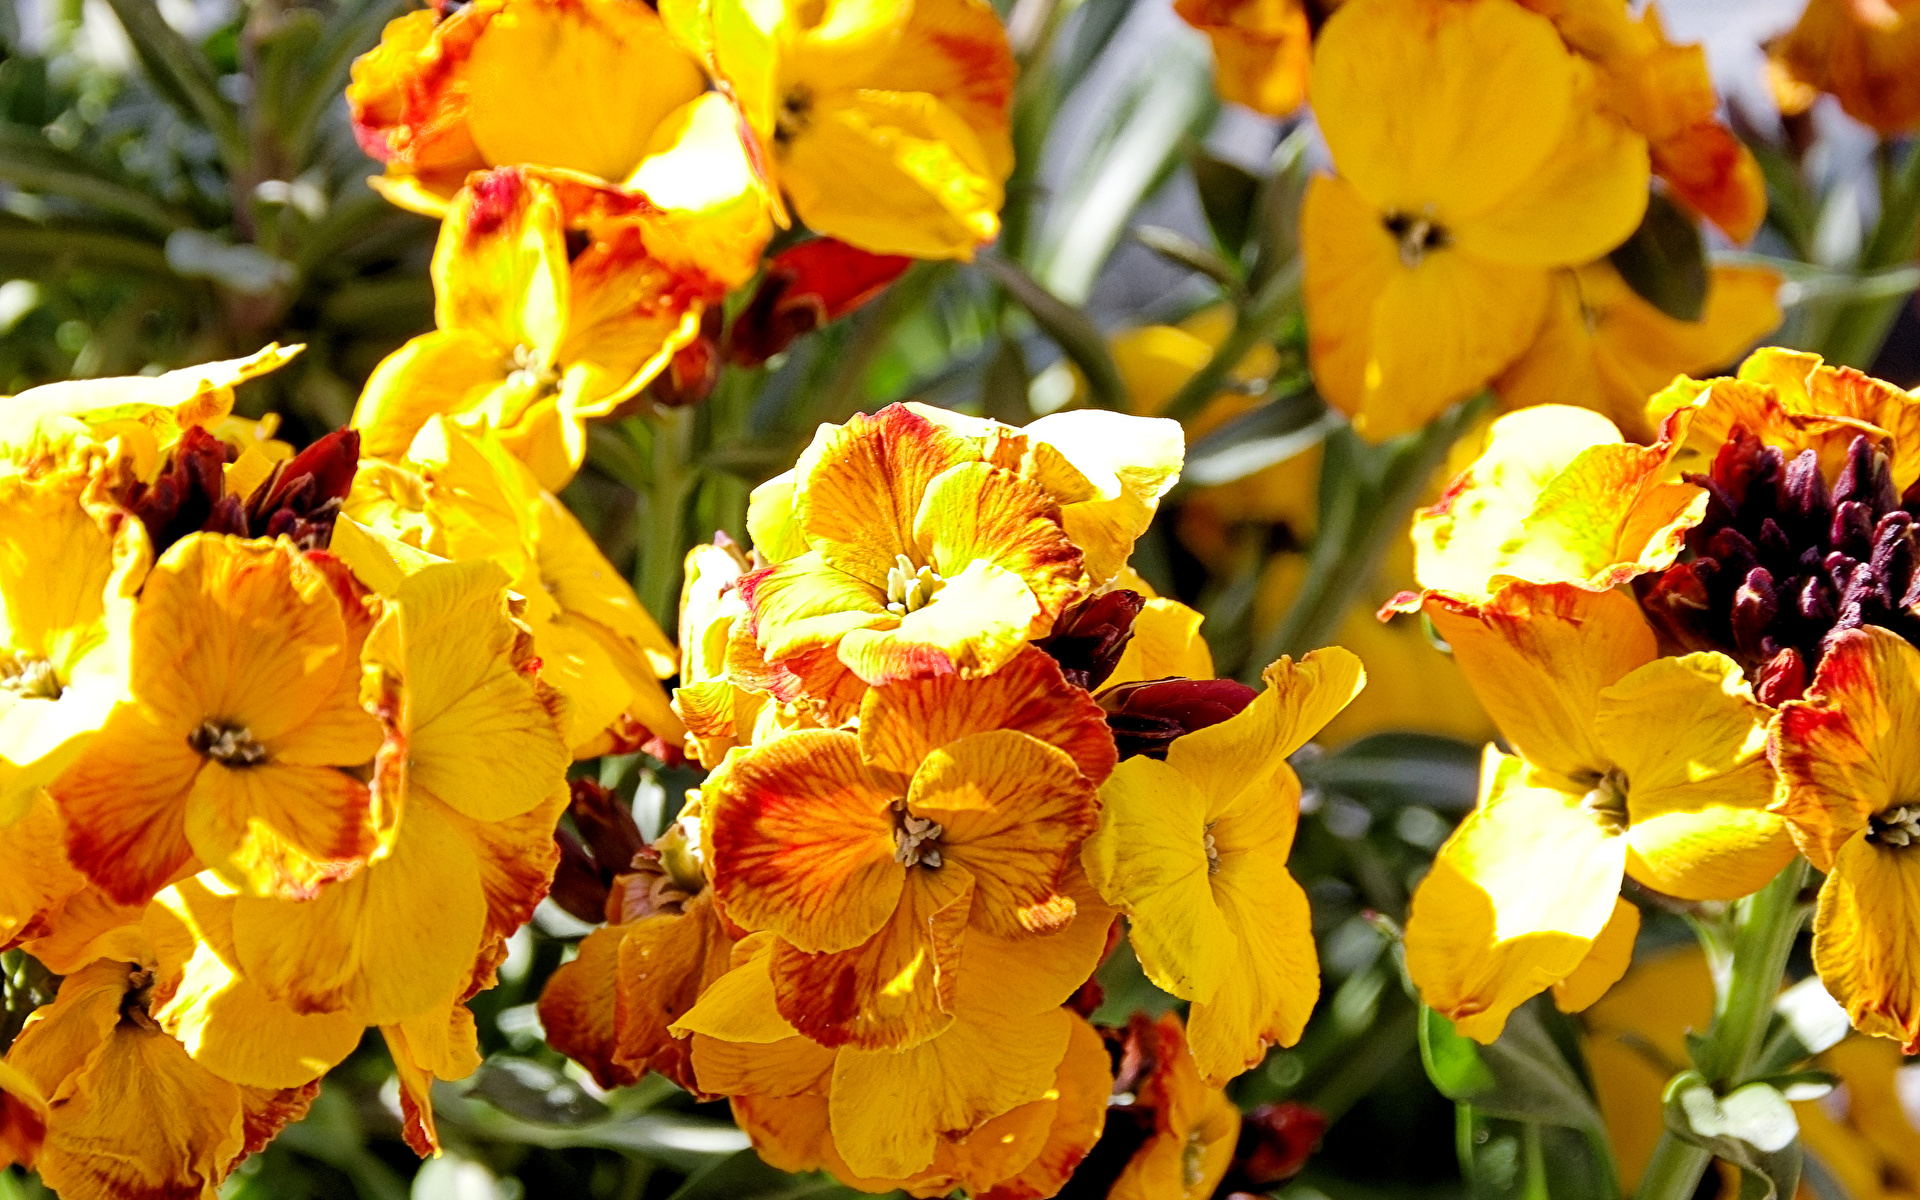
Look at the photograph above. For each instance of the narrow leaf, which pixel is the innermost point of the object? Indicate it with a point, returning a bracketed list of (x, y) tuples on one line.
[(1665, 261), (1752, 1127), (1521, 1076), (31, 163), (183, 74), (1228, 193), (1182, 250), (1070, 329)]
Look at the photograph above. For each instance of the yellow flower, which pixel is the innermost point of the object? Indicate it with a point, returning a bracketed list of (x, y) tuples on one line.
[(1261, 50), (877, 858), (1194, 850), (885, 124), (1195, 1125), (68, 574), (1864, 52), (463, 497), (1606, 349), (917, 541), (129, 1116), (727, 693), (467, 789), (134, 420), (910, 1115), (1628, 764), (1473, 159), (585, 86), (1557, 496), (1846, 755), (556, 301), (1866, 1131), (233, 747)]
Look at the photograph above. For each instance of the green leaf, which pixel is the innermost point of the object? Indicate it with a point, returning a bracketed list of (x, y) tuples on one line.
[(1502, 1159), (533, 1092), (1259, 438), (1277, 234), (1522, 1076), (745, 1177), (1806, 1021), (352, 30), (184, 76), (31, 163), (1228, 194), (1181, 250), (1070, 329), (1665, 261), (1752, 1127)]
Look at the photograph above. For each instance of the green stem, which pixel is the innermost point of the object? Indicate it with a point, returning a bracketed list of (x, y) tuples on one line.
[(668, 492), (1854, 332), (1374, 489), (1765, 925), (1276, 300)]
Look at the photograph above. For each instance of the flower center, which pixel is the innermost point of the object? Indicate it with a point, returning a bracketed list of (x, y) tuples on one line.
[(228, 744), (1213, 853), (909, 588), (29, 678), (916, 841), (795, 109), (1895, 827), (1606, 802), (1193, 1160), (1782, 561), (1416, 234), (525, 368)]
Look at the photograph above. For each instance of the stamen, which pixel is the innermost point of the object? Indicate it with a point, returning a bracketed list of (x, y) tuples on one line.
[(1416, 235), (526, 369), (1607, 801), (30, 678), (1895, 827), (795, 108), (1213, 853), (910, 588), (1193, 1160), (916, 842), (226, 743)]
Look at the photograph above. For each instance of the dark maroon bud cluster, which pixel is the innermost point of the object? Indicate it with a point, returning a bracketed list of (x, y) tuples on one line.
[(608, 845), (300, 500), (1089, 638), (1781, 561), (1146, 717), (1275, 1142)]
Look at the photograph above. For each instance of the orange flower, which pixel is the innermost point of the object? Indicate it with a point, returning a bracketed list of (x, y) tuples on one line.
[(1863, 52), (1195, 1127), (1262, 50), (128, 1115), (957, 810), (243, 710)]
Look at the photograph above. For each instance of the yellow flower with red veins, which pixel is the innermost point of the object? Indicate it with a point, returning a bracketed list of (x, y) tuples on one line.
[(128, 1115), (1863, 52), (467, 788), (242, 722), (68, 574), (131, 421), (463, 497), (886, 125), (877, 857), (1628, 764), (1193, 848), (1848, 758), (967, 1106), (1262, 50), (515, 82), (557, 300), (1605, 348), (915, 542), (1473, 159)]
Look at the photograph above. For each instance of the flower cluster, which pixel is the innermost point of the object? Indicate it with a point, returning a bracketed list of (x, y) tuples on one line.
[(268, 783), (952, 740), (1700, 651)]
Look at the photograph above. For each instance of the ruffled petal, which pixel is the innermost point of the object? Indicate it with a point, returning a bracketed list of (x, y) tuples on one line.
[(1863, 942)]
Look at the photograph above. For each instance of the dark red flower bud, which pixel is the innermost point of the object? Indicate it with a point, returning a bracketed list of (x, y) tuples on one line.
[(804, 288), (1782, 678), (302, 498), (1275, 1142), (606, 824), (1146, 717), (184, 496), (1089, 638), (694, 370), (579, 886)]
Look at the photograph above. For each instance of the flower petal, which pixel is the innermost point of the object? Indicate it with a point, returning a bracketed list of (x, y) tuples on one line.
[(861, 484), (1605, 963), (1862, 939), (803, 843), (1483, 935), (1269, 986)]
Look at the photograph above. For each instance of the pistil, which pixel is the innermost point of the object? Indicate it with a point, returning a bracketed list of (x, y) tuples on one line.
[(916, 842), (910, 588)]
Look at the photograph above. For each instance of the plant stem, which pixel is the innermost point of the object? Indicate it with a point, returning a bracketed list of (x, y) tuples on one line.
[(668, 491), (1367, 494), (1853, 334), (1276, 300), (1765, 925)]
